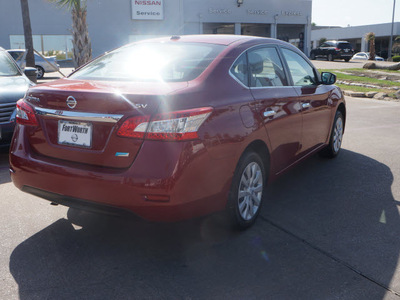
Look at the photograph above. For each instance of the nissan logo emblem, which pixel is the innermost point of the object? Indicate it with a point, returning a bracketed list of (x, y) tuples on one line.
[(71, 102)]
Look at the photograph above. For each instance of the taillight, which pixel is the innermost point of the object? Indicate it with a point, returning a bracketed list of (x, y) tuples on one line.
[(25, 114), (171, 126), (337, 49), (134, 127)]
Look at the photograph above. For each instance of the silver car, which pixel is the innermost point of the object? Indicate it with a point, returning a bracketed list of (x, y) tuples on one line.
[(49, 64), (365, 56)]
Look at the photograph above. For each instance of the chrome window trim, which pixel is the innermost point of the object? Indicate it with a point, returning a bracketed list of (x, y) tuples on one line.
[(78, 116)]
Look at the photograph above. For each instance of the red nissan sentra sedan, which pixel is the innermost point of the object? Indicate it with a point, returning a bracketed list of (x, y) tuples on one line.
[(176, 128)]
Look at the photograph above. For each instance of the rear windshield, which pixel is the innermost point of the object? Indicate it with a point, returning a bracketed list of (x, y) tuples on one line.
[(344, 46), (7, 67), (152, 62)]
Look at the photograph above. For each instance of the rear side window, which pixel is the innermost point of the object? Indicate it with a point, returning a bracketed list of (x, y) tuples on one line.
[(344, 46), (301, 71), (152, 61), (266, 68), (239, 70)]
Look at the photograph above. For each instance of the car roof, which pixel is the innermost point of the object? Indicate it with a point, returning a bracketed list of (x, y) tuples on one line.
[(219, 39)]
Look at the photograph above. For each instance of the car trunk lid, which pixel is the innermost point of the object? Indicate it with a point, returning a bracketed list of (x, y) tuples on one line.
[(78, 120)]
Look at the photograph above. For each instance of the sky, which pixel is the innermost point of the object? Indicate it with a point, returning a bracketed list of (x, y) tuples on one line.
[(353, 12)]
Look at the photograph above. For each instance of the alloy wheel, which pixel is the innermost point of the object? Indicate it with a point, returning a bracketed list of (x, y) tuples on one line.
[(338, 134), (250, 191)]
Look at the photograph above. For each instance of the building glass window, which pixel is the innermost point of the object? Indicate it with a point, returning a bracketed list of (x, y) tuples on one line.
[(293, 34), (59, 45), (219, 28), (263, 30)]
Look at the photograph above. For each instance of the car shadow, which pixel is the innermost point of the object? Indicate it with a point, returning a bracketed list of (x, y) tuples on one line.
[(343, 207), (4, 165), (334, 206)]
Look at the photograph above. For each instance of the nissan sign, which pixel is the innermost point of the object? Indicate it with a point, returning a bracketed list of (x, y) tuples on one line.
[(147, 10)]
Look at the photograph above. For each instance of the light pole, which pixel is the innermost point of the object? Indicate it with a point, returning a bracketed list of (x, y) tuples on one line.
[(391, 34)]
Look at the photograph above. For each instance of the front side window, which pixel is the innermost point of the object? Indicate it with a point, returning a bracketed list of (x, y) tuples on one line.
[(266, 68), (301, 71), (152, 62)]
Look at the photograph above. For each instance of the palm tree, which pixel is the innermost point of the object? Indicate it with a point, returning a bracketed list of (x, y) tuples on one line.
[(82, 47), (26, 20), (370, 36)]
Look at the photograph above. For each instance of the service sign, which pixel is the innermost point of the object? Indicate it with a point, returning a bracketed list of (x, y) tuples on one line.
[(147, 9)]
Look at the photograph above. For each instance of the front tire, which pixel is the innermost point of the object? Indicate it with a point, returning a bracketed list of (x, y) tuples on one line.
[(312, 56), (247, 191), (335, 142)]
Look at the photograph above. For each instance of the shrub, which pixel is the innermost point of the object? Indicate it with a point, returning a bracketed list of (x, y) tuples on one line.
[(396, 58)]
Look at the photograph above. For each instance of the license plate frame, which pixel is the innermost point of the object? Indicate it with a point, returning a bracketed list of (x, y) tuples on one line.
[(74, 133)]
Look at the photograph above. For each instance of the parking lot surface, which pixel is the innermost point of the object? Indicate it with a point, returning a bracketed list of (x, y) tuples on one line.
[(328, 230)]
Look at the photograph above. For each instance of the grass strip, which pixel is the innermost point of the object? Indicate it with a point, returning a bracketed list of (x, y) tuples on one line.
[(362, 79)]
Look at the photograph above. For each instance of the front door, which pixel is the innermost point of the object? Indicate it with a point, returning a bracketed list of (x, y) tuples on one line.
[(316, 105)]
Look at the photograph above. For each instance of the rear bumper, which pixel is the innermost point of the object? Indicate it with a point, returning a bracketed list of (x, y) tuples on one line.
[(175, 185)]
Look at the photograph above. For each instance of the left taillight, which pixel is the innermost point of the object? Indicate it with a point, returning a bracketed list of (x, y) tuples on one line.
[(171, 126), (25, 114)]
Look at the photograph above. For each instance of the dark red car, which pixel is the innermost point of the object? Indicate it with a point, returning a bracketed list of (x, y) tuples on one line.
[(176, 128)]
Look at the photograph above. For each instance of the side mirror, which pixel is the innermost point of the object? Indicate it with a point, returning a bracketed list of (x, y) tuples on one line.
[(31, 73), (328, 78)]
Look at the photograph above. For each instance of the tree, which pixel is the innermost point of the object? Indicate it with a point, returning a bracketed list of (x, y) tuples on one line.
[(396, 46), (26, 20), (82, 47), (370, 37), (321, 41)]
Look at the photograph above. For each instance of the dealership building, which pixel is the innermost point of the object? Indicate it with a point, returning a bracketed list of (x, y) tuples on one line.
[(356, 36), (117, 22)]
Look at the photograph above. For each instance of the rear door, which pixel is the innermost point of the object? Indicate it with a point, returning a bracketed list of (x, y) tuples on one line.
[(315, 103), (277, 104)]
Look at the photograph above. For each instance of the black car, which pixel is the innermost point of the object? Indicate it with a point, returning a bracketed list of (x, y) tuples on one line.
[(13, 86), (333, 50)]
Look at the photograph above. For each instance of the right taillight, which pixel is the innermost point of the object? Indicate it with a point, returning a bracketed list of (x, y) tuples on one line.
[(171, 126), (25, 114)]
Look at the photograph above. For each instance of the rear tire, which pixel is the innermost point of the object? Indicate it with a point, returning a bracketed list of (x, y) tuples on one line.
[(330, 57), (247, 191), (347, 59), (335, 141), (40, 72), (312, 56)]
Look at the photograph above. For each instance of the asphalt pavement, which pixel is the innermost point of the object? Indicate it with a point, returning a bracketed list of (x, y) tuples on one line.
[(328, 230)]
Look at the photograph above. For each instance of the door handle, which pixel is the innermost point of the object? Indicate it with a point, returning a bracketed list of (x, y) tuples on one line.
[(305, 105), (269, 113)]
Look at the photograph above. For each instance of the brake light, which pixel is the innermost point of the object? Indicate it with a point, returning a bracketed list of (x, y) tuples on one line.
[(172, 126), (25, 114), (134, 127), (337, 49)]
